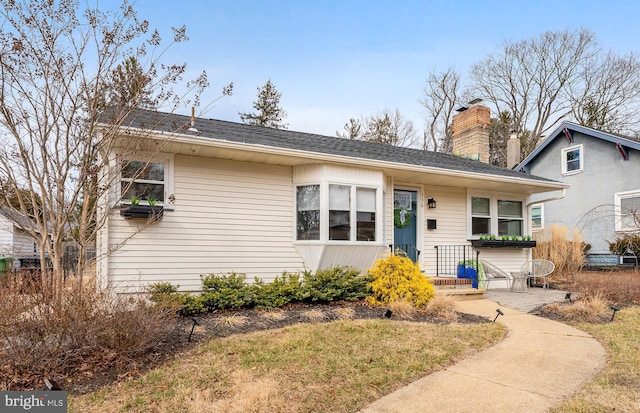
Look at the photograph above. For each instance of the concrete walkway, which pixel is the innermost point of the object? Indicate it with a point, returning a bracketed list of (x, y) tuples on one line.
[(539, 363)]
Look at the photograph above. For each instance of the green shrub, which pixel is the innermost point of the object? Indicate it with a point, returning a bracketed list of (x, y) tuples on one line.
[(334, 284), (626, 244), (225, 291), (166, 295), (397, 278), (278, 293), (190, 304), (162, 289)]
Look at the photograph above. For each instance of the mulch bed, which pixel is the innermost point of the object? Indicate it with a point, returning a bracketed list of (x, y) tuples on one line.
[(89, 375)]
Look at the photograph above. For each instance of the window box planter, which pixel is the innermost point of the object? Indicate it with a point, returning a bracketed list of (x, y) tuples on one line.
[(498, 243), (141, 212)]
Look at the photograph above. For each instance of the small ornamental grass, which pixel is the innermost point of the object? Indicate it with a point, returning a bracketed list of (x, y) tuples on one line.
[(314, 316), (586, 309), (442, 306), (403, 309), (344, 313), (397, 278)]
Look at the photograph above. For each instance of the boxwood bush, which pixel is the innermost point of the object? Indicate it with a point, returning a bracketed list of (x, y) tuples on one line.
[(335, 284), (232, 292), (229, 291), (278, 293)]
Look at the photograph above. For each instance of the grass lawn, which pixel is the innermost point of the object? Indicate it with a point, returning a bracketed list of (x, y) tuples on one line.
[(335, 367), (615, 389)]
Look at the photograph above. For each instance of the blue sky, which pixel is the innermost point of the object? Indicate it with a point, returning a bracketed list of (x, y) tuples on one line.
[(333, 60)]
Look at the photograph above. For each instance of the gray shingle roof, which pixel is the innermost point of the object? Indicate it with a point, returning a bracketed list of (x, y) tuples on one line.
[(308, 142)]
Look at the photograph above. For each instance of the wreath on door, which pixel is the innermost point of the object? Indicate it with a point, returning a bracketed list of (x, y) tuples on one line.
[(401, 217)]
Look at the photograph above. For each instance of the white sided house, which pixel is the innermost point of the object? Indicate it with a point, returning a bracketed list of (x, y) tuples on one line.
[(259, 201), (15, 242)]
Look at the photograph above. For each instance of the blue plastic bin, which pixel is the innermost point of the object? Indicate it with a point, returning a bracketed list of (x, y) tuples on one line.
[(467, 271)]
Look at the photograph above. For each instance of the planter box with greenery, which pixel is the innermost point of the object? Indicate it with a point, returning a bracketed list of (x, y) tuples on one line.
[(490, 241), (141, 211), (135, 210)]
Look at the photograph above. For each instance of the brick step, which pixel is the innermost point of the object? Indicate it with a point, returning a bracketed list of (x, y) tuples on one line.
[(442, 283)]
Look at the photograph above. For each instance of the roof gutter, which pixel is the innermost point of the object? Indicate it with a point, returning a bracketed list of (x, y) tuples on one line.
[(563, 193)]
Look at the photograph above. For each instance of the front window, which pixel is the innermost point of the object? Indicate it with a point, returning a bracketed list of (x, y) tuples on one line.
[(490, 215), (143, 181), (572, 160), (480, 216), (308, 212), (627, 211), (509, 217)]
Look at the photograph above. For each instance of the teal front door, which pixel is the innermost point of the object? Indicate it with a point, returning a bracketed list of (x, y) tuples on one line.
[(405, 204)]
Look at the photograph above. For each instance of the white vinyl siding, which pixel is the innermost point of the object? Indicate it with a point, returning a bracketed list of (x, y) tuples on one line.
[(229, 216)]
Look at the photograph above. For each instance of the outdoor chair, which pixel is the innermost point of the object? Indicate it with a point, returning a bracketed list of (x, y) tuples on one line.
[(531, 270), (493, 273)]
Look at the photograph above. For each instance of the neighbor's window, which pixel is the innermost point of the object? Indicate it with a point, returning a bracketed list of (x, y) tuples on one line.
[(509, 217), (627, 211), (366, 214), (308, 212), (537, 216), (143, 180), (572, 160), (339, 212), (480, 216)]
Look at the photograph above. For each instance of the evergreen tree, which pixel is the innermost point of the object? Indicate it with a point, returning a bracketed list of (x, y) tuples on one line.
[(268, 111)]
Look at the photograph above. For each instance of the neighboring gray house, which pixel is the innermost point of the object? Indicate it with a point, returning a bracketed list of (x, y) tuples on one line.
[(603, 171)]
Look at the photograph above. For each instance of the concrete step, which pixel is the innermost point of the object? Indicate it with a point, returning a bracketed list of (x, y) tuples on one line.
[(462, 294)]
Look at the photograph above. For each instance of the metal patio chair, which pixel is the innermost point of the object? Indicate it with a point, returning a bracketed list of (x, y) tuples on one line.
[(535, 269), (493, 273)]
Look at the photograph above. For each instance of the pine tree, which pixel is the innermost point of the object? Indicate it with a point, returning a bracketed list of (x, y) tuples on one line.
[(269, 113)]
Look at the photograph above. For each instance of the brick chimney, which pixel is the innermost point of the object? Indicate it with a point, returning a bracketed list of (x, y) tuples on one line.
[(470, 133)]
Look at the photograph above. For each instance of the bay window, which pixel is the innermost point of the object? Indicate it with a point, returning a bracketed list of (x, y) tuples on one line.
[(308, 212), (336, 212), (339, 212), (366, 214)]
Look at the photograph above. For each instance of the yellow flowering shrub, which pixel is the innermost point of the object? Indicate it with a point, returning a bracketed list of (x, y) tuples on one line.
[(397, 278)]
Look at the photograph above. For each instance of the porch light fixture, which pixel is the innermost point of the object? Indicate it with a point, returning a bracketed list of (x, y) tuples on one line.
[(615, 310), (499, 311), (195, 323), (431, 203)]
